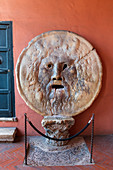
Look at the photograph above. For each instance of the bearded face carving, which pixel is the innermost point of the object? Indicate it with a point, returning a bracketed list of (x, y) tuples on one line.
[(57, 76), (59, 73)]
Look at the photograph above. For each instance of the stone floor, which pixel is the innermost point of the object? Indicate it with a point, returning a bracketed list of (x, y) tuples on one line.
[(12, 155)]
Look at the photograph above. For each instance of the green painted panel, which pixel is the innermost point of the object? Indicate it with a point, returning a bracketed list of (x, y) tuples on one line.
[(4, 101), (3, 81), (4, 58), (3, 39)]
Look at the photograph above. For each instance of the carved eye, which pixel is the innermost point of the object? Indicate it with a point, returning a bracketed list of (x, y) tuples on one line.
[(49, 65), (65, 66)]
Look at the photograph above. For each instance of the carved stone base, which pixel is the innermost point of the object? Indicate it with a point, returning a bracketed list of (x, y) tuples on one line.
[(7, 134), (57, 127), (41, 154)]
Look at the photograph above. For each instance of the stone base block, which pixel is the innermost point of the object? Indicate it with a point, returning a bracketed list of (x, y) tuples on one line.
[(57, 127), (7, 134), (41, 154)]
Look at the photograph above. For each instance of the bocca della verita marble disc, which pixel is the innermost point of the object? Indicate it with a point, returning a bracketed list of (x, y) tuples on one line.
[(59, 73)]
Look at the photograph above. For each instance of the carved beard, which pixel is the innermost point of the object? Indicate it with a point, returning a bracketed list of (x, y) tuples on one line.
[(56, 101)]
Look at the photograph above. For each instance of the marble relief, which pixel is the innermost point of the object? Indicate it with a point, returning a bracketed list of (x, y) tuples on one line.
[(59, 73)]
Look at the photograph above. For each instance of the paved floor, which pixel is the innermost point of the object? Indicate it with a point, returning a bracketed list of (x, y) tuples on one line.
[(12, 155)]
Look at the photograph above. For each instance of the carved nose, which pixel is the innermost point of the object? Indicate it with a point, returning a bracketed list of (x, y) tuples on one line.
[(57, 78), (56, 73)]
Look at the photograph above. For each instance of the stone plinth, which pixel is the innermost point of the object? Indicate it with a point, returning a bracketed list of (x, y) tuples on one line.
[(57, 127), (7, 134), (42, 154)]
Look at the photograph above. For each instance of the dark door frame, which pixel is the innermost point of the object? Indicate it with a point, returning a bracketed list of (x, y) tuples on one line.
[(8, 25)]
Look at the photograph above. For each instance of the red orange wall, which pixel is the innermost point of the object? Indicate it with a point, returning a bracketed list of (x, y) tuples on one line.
[(92, 19)]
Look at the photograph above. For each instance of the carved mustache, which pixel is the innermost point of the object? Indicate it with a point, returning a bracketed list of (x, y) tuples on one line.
[(57, 85)]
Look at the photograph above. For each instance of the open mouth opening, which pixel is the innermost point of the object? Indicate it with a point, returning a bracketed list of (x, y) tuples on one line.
[(57, 86)]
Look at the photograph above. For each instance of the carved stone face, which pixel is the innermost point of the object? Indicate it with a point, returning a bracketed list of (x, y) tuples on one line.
[(57, 76), (59, 73)]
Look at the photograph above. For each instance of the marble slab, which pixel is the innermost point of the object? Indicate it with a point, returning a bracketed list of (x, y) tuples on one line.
[(71, 154), (7, 134)]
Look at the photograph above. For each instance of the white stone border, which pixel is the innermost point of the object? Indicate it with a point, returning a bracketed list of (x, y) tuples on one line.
[(8, 119)]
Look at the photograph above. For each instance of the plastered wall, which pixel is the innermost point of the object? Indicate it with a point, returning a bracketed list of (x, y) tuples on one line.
[(91, 19)]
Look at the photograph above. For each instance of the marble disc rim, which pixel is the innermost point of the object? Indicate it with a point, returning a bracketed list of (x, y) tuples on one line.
[(30, 44)]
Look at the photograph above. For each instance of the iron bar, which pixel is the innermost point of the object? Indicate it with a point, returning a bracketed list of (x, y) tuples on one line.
[(92, 139), (25, 138)]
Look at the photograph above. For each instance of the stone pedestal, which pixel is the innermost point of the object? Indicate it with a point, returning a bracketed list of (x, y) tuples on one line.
[(42, 154), (7, 134), (57, 127)]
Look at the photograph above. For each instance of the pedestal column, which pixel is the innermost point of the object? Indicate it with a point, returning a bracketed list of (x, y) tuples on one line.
[(57, 127)]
